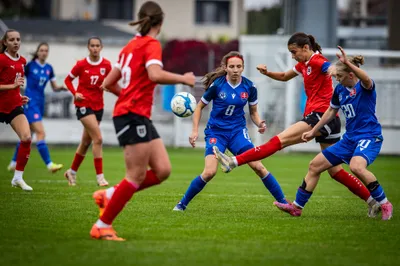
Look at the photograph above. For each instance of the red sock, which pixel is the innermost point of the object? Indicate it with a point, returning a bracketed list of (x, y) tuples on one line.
[(78, 159), (150, 180), (260, 152), (123, 193), (23, 155), (352, 183), (98, 165)]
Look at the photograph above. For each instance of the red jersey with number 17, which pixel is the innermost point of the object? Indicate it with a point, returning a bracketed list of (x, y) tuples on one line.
[(10, 69), (317, 84), (91, 76), (137, 89)]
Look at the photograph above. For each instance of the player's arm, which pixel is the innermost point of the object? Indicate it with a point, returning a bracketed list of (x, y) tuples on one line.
[(18, 83), (281, 76), (196, 121), (366, 81), (110, 83), (158, 75), (325, 119), (255, 117), (56, 87)]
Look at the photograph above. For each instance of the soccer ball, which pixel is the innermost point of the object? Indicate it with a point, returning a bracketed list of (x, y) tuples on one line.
[(183, 104)]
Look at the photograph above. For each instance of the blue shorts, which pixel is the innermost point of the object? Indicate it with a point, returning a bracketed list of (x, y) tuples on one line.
[(345, 149), (34, 112), (237, 141)]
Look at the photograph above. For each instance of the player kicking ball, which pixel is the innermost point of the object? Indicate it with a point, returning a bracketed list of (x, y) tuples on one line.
[(361, 143)]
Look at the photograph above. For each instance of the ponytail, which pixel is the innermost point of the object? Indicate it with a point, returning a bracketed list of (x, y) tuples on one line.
[(150, 15), (314, 45), (301, 39)]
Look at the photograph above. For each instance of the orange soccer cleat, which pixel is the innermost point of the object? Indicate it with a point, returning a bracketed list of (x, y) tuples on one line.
[(104, 234), (100, 198)]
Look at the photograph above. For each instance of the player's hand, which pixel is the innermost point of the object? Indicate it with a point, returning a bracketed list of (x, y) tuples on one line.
[(263, 69), (79, 97), (262, 127), (189, 79), (19, 82), (25, 99), (102, 87), (342, 57), (193, 137), (307, 136)]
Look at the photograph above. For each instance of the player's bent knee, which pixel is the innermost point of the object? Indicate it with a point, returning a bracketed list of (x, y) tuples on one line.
[(314, 167), (164, 173), (26, 137), (98, 141), (207, 175), (357, 169)]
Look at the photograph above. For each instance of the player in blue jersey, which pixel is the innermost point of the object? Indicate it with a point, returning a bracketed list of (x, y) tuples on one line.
[(38, 73), (226, 127), (360, 145)]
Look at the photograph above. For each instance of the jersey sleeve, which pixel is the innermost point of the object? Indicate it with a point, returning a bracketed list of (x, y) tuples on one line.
[(335, 103), (322, 63), (76, 70), (153, 54), (368, 89), (52, 76), (298, 69), (325, 66), (253, 99), (210, 94)]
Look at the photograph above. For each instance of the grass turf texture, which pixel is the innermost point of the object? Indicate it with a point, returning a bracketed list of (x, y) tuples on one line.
[(231, 222)]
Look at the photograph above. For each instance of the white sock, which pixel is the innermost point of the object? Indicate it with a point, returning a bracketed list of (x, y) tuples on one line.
[(13, 163), (100, 176), (110, 192), (72, 171), (49, 165), (235, 161), (18, 175), (102, 224), (370, 199), (383, 201)]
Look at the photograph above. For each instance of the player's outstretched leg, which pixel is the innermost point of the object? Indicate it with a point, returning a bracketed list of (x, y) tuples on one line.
[(195, 187), (227, 163)]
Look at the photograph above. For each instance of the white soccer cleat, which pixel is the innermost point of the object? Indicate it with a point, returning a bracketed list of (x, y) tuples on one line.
[(70, 177), (11, 167), (54, 167), (179, 207), (374, 208), (102, 182), (226, 162), (21, 184)]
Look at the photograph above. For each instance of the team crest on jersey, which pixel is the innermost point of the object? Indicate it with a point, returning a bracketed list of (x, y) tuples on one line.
[(82, 110), (102, 71), (212, 141), (222, 95), (244, 95), (141, 131), (353, 93), (309, 70)]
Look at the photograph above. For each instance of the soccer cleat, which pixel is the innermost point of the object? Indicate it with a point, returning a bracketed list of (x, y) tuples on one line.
[(21, 184), (104, 234), (387, 211), (70, 177), (179, 207), (289, 208), (226, 162), (11, 166), (374, 208), (102, 182), (100, 198), (54, 167)]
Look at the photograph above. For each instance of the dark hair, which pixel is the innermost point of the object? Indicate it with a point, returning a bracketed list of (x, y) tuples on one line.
[(209, 78), (94, 38), (301, 39), (35, 54), (357, 60), (150, 15), (3, 47)]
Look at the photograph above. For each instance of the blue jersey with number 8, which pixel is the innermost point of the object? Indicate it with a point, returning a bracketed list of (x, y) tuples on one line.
[(229, 102), (358, 105)]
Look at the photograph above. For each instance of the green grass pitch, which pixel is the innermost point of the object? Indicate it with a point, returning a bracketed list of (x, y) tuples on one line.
[(232, 222)]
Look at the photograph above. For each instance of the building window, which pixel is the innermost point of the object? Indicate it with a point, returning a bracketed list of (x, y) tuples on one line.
[(213, 12), (116, 9)]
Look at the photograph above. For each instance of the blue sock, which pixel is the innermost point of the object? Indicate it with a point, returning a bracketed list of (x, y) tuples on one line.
[(302, 196), (44, 151), (377, 193), (194, 188), (14, 158), (274, 188)]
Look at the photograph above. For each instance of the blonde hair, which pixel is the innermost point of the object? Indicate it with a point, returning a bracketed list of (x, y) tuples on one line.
[(209, 78), (357, 60)]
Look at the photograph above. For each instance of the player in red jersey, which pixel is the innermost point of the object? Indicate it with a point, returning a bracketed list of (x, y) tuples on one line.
[(89, 105), (11, 111), (140, 68), (315, 70)]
